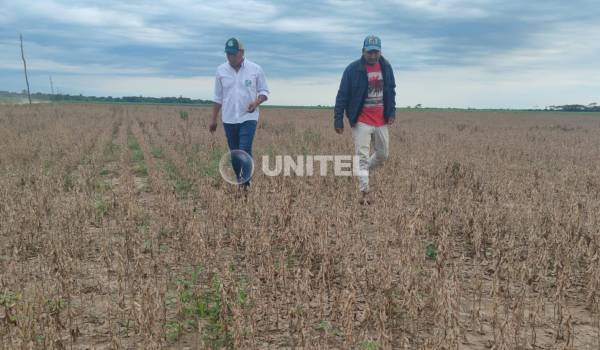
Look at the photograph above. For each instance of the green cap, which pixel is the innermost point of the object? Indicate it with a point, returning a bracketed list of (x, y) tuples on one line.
[(233, 46)]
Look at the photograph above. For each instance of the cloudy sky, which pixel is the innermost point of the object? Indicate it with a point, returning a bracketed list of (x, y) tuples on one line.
[(445, 53)]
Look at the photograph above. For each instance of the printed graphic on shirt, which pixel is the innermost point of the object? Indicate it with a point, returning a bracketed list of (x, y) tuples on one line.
[(372, 112), (375, 92)]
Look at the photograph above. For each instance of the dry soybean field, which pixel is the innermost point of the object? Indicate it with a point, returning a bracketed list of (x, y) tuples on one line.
[(117, 232)]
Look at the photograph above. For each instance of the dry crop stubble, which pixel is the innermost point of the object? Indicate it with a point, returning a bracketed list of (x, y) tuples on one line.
[(117, 232)]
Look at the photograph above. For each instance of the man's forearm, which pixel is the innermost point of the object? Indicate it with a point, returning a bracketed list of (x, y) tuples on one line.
[(215, 113)]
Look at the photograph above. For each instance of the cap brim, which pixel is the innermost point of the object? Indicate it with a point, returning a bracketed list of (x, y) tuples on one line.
[(232, 50), (371, 48)]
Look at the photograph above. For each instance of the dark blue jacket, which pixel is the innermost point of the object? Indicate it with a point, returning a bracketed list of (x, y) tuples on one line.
[(353, 92)]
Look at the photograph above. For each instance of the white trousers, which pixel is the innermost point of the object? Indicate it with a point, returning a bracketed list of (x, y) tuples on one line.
[(363, 134)]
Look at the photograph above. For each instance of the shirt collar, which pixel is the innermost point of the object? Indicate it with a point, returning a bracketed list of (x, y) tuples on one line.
[(364, 62)]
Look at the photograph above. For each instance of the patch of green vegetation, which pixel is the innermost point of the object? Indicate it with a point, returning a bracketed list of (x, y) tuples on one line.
[(310, 140), (132, 142), (431, 251), (208, 307), (324, 326), (181, 185), (173, 330), (157, 152), (142, 221), (311, 137), (203, 304), (68, 182), (171, 170), (9, 299), (211, 168), (140, 169), (180, 148), (205, 165), (48, 165), (137, 156), (370, 345), (242, 296), (101, 207), (183, 115), (55, 306), (197, 148), (164, 233), (102, 186)]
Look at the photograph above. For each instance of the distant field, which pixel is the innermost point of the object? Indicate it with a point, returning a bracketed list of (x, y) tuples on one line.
[(7, 100), (116, 231), (11, 100)]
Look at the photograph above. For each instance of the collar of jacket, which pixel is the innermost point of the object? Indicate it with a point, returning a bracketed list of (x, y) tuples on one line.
[(382, 62)]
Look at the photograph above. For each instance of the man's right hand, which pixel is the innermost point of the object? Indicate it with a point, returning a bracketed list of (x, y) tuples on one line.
[(212, 127), (339, 130)]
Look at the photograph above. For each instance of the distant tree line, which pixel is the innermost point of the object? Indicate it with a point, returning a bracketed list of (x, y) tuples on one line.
[(108, 99), (38, 96), (124, 99), (592, 107)]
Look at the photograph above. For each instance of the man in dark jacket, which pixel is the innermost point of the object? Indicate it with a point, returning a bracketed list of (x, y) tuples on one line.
[(367, 94)]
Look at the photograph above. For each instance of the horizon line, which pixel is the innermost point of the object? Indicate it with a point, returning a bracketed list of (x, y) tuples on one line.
[(209, 103)]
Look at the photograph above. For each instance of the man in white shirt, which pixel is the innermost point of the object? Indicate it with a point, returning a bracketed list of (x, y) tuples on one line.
[(240, 87)]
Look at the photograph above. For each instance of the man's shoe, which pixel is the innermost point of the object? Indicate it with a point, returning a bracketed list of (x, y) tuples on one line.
[(365, 199)]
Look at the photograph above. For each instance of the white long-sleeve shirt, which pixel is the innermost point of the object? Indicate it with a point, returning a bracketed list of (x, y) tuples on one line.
[(236, 90)]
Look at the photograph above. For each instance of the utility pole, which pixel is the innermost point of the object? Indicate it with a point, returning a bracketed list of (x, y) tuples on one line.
[(25, 68), (52, 98), (51, 85)]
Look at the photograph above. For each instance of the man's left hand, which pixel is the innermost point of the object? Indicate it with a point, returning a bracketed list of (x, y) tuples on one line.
[(391, 121), (252, 106)]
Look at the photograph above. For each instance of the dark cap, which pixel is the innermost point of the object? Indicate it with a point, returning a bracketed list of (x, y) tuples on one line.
[(233, 46)]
